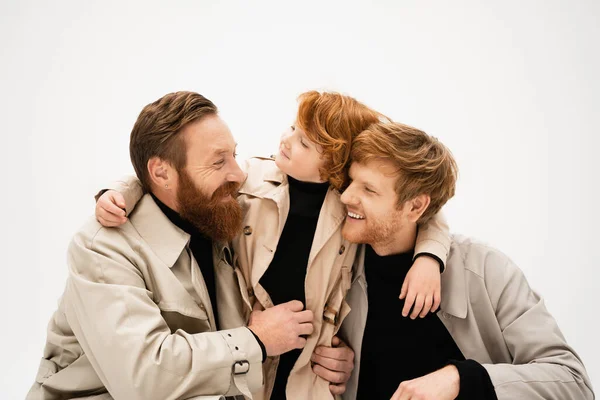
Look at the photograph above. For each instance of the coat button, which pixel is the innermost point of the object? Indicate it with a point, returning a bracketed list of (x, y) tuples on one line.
[(202, 306), (342, 249), (247, 230)]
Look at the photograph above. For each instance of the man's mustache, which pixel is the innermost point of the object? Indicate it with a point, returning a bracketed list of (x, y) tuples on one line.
[(229, 188)]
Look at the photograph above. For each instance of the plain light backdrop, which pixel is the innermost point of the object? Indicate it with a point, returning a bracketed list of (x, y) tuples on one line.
[(511, 87)]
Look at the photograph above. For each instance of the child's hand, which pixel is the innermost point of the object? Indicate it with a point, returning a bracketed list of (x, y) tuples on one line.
[(422, 287), (110, 209)]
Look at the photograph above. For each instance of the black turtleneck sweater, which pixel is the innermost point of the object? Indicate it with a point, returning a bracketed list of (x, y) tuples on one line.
[(397, 348), (202, 250), (284, 279)]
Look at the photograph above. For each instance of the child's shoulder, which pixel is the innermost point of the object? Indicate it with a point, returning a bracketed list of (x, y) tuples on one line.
[(259, 164), (260, 170)]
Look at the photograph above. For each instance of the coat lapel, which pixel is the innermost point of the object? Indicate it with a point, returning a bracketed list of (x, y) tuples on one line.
[(331, 216), (165, 239), (273, 186), (169, 243)]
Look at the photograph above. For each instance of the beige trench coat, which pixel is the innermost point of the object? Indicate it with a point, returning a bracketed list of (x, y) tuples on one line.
[(496, 319), (265, 200), (136, 321)]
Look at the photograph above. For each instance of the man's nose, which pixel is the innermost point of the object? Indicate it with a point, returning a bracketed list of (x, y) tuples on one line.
[(348, 196), (236, 174)]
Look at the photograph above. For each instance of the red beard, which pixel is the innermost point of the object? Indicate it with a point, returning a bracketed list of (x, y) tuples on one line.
[(217, 219)]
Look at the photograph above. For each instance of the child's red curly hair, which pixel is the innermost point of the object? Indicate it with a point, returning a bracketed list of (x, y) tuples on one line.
[(332, 121)]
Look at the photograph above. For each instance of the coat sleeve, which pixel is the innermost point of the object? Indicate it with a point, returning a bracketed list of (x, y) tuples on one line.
[(544, 366), (131, 189), (129, 344), (434, 238)]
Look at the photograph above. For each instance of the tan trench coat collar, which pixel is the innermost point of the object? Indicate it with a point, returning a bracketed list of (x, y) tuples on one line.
[(256, 187)]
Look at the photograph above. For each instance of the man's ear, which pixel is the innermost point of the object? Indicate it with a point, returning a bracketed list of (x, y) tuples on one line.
[(418, 206), (161, 173)]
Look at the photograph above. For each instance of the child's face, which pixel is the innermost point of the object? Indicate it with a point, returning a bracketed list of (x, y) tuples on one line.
[(298, 157)]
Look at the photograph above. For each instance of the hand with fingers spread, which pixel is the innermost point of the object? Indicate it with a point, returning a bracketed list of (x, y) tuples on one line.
[(443, 384), (280, 327), (334, 364), (110, 209), (422, 288)]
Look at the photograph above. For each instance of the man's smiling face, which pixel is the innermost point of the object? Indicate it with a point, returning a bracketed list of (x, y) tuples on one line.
[(373, 215)]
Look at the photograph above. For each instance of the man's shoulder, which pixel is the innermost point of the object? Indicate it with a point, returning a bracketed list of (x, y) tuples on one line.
[(126, 237), (92, 235), (146, 238), (93, 245), (477, 256)]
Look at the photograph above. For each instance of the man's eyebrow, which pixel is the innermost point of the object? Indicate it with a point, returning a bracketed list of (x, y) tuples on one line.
[(220, 150)]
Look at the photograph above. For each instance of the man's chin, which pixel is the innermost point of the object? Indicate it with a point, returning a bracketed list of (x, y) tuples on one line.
[(353, 237)]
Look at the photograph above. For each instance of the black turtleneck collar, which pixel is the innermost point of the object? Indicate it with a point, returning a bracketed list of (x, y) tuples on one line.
[(309, 187), (306, 198), (393, 266)]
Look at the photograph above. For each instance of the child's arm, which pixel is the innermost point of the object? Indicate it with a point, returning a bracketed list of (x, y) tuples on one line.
[(433, 239), (117, 201), (422, 285)]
